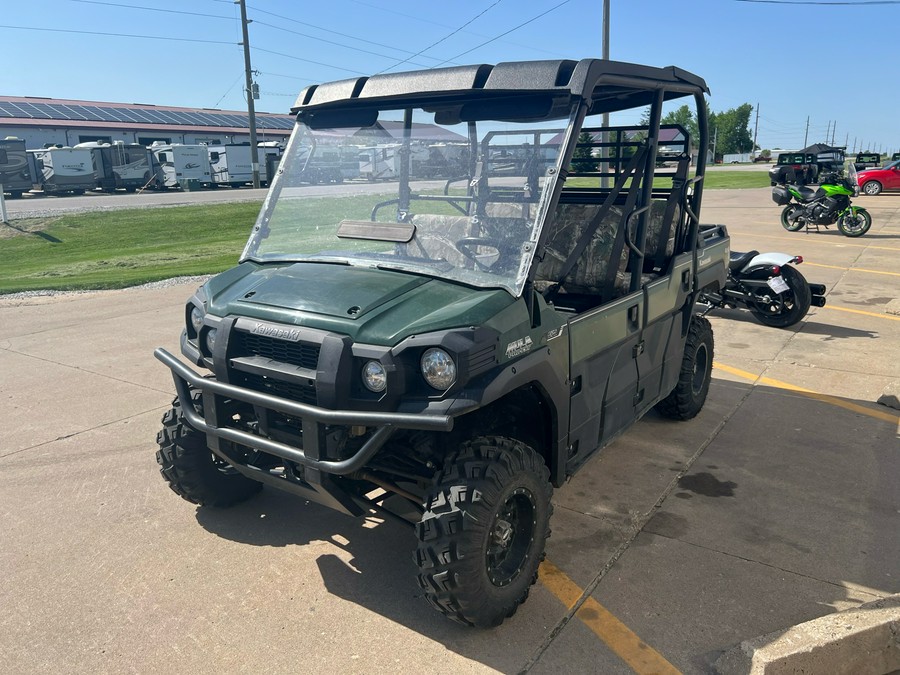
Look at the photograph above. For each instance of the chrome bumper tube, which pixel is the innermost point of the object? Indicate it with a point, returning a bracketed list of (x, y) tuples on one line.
[(312, 417)]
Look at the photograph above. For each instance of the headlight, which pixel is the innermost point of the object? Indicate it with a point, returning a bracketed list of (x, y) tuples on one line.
[(374, 377), (211, 340), (196, 320), (438, 368)]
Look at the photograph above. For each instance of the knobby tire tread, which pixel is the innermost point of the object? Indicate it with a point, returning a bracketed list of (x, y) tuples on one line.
[(453, 578)]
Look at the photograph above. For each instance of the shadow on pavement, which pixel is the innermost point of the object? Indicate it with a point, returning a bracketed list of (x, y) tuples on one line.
[(787, 511)]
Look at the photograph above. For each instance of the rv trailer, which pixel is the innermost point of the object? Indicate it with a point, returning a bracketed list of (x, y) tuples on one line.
[(177, 164), (121, 165), (17, 172), (65, 170), (230, 165)]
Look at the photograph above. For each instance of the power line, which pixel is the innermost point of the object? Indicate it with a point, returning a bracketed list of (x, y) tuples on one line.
[(330, 42), (494, 39), (437, 23), (236, 80), (107, 34), (328, 30), (446, 37), (298, 58), (152, 9)]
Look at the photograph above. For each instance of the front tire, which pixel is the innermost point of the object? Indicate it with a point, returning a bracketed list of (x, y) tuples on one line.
[(855, 224), (788, 223), (689, 395), (788, 308), (482, 536), (872, 188), (192, 470)]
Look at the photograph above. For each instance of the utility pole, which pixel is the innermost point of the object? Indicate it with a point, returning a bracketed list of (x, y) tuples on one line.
[(827, 130), (715, 139), (833, 128), (806, 134), (251, 110), (755, 130)]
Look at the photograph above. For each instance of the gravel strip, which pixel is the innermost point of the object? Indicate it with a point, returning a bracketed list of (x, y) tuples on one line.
[(21, 297)]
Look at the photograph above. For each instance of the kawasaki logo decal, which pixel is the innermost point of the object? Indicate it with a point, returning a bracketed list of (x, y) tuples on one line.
[(277, 332)]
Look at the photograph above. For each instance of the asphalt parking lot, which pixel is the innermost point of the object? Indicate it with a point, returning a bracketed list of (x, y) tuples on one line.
[(778, 504)]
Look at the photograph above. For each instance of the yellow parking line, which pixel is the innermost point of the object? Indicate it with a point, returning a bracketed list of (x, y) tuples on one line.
[(860, 311), (852, 269), (836, 242), (639, 656), (825, 398)]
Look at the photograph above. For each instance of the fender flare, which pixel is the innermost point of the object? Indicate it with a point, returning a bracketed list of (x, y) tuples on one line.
[(768, 259)]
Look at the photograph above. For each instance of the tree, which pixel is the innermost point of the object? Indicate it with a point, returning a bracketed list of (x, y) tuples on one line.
[(583, 158), (733, 128), (684, 117)]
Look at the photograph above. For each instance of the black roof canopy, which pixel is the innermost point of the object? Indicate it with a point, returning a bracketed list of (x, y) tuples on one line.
[(534, 90)]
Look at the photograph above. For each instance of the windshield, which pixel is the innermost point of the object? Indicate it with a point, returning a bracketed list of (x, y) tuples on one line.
[(458, 201)]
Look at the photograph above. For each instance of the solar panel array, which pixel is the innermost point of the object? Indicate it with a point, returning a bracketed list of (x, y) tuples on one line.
[(99, 113)]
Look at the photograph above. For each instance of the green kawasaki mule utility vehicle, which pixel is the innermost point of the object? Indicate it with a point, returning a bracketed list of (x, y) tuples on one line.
[(508, 289)]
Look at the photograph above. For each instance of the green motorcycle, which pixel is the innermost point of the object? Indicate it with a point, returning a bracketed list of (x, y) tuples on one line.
[(829, 204)]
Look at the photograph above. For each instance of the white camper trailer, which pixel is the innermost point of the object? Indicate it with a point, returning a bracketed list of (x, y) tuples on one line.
[(179, 164), (17, 172), (230, 165), (66, 169), (382, 162), (121, 165)]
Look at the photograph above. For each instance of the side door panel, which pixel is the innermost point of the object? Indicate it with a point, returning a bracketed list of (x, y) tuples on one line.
[(659, 360), (602, 345)]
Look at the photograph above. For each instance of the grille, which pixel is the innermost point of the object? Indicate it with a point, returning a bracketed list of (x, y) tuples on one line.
[(289, 390), (301, 354)]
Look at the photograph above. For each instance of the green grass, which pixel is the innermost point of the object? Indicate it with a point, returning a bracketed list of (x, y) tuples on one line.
[(736, 179), (122, 248), (713, 180), (117, 249)]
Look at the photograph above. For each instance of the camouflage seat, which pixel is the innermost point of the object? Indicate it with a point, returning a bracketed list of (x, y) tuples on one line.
[(655, 223), (589, 276)]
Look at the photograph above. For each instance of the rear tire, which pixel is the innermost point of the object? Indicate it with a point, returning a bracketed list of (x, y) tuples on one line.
[(689, 395), (482, 536), (192, 470), (787, 223), (793, 305), (855, 224)]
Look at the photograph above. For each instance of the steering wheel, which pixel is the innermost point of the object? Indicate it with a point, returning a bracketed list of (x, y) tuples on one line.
[(466, 244)]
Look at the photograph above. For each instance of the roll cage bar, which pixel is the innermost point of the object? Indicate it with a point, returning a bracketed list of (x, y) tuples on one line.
[(535, 91)]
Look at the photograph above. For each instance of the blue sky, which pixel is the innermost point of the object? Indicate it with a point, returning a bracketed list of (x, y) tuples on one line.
[(832, 63)]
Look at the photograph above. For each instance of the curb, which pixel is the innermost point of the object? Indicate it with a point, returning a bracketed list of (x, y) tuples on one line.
[(860, 641)]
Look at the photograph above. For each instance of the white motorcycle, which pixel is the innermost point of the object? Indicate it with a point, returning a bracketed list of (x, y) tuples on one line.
[(770, 286)]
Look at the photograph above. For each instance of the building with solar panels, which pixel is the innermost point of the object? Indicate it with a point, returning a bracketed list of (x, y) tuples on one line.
[(45, 122)]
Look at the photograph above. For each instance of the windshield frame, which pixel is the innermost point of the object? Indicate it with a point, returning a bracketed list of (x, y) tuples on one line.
[(515, 274)]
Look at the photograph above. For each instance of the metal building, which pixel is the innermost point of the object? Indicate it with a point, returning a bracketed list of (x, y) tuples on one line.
[(42, 122)]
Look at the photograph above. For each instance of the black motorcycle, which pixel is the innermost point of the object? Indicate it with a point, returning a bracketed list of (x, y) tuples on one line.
[(769, 286), (828, 204)]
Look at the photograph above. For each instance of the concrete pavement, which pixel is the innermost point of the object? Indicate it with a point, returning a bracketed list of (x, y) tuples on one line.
[(776, 506)]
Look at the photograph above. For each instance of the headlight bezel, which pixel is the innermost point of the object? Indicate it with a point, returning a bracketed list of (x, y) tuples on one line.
[(379, 378), (209, 339), (438, 368), (195, 318)]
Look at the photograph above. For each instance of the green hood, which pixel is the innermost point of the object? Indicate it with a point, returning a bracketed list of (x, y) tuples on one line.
[(370, 305)]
